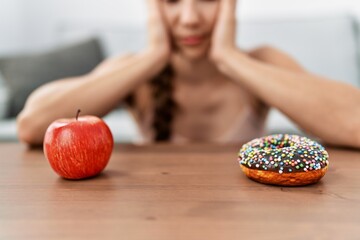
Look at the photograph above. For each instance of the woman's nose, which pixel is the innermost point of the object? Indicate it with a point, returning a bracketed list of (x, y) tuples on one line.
[(189, 14)]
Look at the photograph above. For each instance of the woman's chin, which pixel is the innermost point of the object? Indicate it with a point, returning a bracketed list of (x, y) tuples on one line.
[(194, 54)]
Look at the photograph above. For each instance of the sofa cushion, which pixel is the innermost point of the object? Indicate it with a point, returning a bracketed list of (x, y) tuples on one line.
[(4, 98), (23, 74)]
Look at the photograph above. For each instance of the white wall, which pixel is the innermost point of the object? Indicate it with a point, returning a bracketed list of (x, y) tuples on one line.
[(30, 24), (48, 15), (280, 8), (11, 19)]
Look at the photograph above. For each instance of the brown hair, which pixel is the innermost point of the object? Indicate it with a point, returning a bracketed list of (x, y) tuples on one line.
[(164, 104)]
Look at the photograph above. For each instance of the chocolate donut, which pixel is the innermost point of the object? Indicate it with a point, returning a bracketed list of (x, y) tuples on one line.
[(285, 160)]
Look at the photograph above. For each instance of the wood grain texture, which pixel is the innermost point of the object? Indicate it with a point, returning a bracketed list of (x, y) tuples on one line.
[(174, 192)]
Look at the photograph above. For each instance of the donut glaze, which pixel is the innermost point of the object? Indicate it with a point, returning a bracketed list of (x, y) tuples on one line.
[(282, 159)]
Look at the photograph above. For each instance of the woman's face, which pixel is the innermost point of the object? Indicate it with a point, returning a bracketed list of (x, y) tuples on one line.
[(190, 24)]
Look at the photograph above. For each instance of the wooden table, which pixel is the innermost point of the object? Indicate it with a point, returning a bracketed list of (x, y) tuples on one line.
[(173, 192)]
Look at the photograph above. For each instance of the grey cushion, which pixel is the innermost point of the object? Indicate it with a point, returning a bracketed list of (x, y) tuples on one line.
[(23, 74), (4, 98)]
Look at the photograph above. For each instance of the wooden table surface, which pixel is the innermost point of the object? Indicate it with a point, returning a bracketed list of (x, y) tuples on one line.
[(173, 192)]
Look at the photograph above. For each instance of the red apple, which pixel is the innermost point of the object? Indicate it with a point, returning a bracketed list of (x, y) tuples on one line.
[(78, 148)]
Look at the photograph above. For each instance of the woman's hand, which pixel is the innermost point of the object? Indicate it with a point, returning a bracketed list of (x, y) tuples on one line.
[(158, 37), (224, 35)]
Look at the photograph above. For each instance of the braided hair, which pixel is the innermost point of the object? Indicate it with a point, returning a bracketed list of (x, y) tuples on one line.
[(164, 105)]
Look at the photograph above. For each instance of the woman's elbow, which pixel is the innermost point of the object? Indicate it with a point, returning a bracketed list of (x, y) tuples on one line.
[(27, 129)]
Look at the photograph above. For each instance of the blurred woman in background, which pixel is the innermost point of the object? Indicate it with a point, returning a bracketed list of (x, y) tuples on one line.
[(192, 83)]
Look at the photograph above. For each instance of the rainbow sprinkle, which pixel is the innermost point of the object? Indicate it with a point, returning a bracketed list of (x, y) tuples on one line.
[(283, 153)]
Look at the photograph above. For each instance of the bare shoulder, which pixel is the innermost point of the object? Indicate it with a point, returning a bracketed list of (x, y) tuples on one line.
[(275, 56)]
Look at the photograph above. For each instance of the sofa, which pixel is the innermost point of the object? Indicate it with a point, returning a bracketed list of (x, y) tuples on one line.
[(326, 45)]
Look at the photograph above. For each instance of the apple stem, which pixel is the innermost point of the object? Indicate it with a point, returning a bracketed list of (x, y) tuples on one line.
[(77, 114)]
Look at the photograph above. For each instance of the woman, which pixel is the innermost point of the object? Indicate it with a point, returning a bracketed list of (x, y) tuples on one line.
[(193, 84)]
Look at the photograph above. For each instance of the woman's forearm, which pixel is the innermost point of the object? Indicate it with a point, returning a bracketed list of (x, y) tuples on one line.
[(325, 108), (96, 93)]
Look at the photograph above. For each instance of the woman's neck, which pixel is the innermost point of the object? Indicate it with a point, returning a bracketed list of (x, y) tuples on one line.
[(194, 71)]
